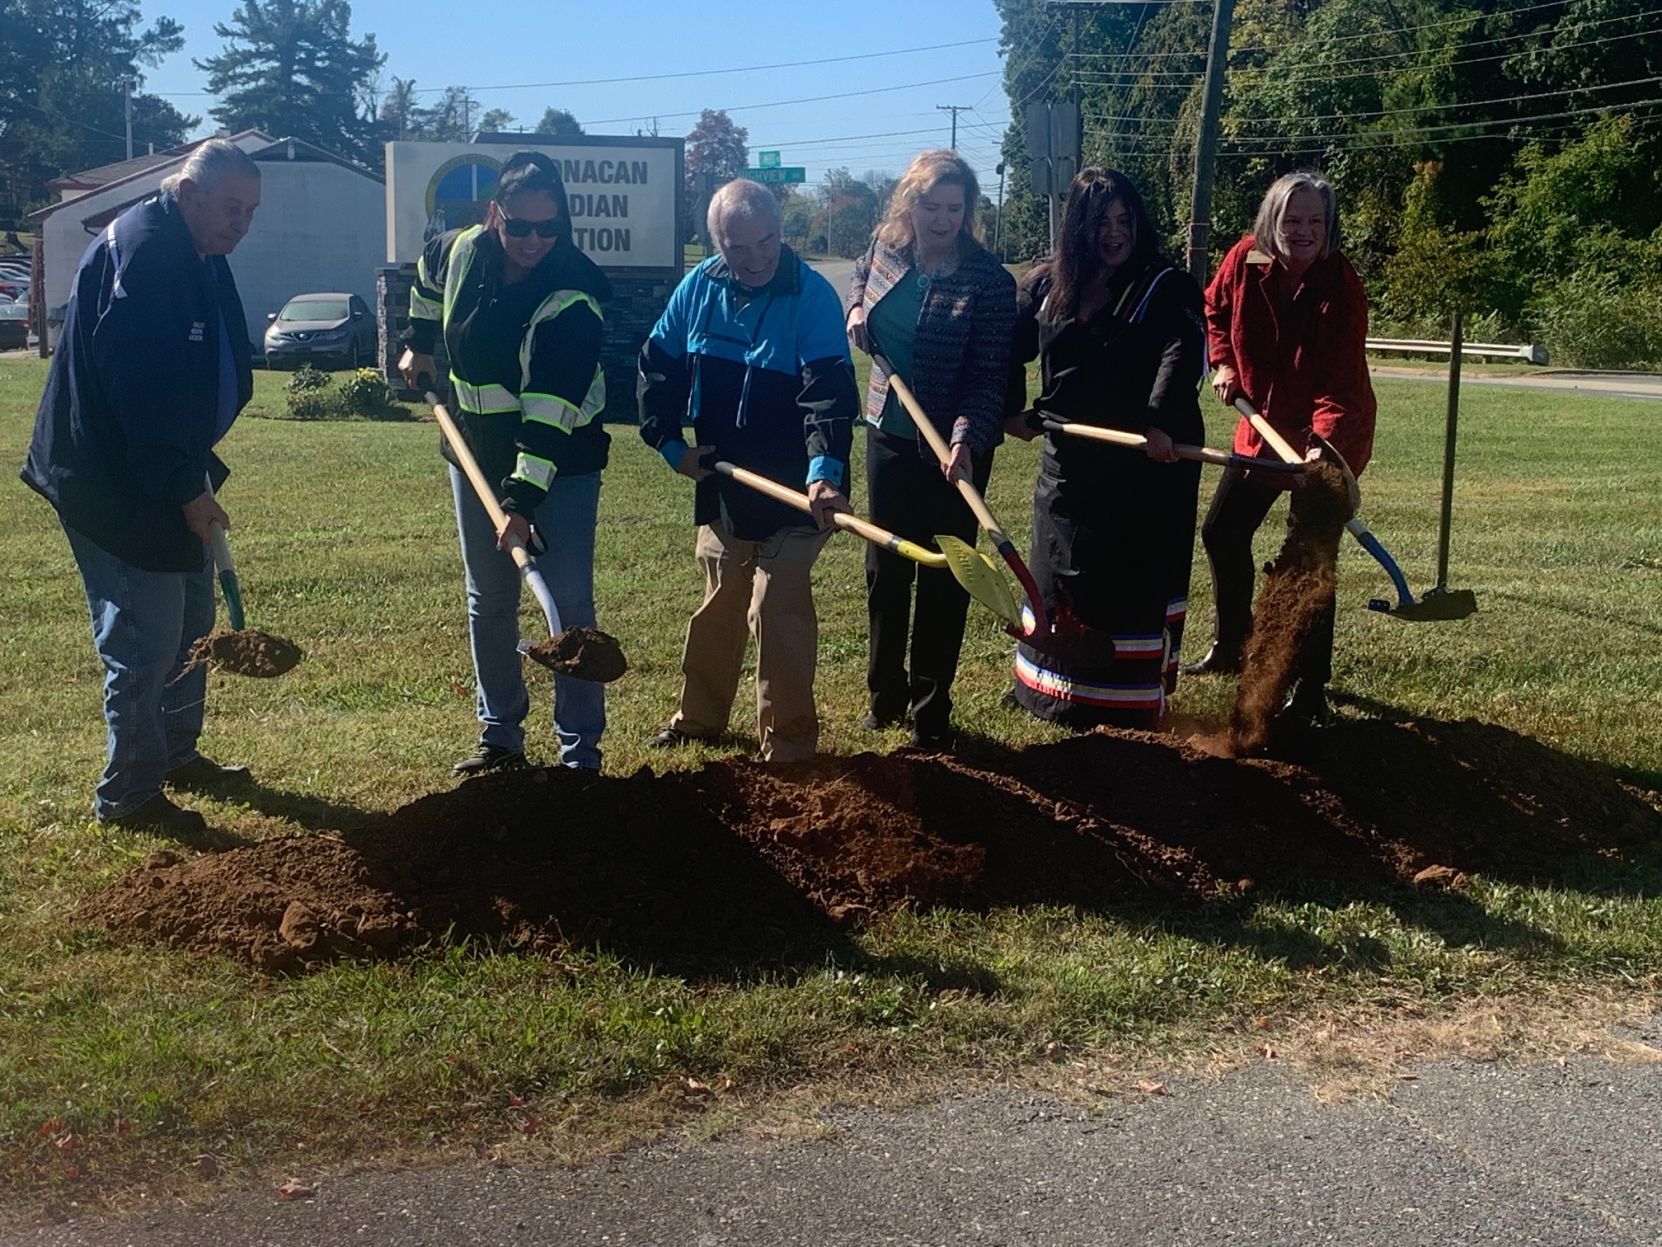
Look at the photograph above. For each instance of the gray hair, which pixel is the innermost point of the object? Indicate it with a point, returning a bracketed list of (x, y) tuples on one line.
[(209, 162), (1266, 230), (740, 197)]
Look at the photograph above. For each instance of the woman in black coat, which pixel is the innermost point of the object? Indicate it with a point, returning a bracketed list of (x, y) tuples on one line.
[(1120, 335)]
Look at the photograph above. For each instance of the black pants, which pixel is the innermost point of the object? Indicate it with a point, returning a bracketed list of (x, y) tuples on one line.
[(909, 496), (1238, 508)]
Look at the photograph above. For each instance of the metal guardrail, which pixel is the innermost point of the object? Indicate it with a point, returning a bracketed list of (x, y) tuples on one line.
[(1530, 352)]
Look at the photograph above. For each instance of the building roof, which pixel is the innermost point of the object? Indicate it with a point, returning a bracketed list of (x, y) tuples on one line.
[(274, 151), (121, 170)]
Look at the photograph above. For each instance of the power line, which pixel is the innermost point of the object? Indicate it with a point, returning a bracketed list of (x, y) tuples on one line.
[(691, 73), (808, 99)]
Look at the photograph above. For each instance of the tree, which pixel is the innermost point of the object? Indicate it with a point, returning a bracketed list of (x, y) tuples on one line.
[(558, 122), (449, 119), (716, 149), (849, 212), (495, 119), (62, 63), (399, 111), (290, 67)]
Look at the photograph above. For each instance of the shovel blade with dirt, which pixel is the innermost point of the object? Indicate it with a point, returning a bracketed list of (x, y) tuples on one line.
[(580, 653)]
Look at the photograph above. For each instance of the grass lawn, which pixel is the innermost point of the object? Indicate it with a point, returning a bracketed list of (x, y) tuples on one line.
[(120, 1066)]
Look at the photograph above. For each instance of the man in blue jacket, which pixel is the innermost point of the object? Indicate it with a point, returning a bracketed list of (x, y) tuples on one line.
[(752, 350), (151, 369)]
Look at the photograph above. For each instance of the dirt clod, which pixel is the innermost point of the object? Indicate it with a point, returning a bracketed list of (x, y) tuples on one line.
[(740, 863), (245, 652), (582, 654), (1300, 585)]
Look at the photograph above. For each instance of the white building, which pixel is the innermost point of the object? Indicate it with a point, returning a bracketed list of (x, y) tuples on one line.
[(321, 225)]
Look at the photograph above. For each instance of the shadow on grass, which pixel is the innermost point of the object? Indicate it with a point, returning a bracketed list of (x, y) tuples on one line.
[(312, 813)]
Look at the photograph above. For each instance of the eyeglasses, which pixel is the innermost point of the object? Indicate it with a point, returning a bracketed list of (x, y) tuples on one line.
[(518, 227)]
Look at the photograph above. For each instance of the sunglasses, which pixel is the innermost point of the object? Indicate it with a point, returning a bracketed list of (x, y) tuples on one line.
[(518, 227)]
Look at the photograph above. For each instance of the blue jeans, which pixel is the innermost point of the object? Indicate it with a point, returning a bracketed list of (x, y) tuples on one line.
[(566, 520), (143, 624)]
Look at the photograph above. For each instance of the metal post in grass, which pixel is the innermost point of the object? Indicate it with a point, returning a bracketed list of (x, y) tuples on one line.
[(1457, 338)]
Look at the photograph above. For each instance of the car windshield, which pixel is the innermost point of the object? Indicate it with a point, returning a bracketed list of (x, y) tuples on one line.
[(315, 309), (14, 311)]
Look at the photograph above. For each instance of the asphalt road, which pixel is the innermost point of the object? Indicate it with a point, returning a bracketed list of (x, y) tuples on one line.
[(1464, 1153)]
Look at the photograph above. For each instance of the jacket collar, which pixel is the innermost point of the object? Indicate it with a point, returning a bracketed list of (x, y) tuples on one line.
[(787, 278)]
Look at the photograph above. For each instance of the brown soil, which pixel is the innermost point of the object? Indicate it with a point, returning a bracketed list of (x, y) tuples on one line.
[(1300, 585), (583, 654), (247, 652), (742, 864)]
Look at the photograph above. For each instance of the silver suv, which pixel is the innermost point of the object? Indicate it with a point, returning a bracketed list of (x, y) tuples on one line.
[(328, 330)]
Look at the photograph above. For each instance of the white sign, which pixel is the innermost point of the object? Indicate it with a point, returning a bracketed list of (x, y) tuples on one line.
[(623, 198)]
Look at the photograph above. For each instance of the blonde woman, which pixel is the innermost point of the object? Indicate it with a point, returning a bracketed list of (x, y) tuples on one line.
[(942, 311)]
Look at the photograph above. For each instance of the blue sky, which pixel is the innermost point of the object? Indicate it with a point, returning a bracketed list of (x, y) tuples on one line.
[(488, 44)]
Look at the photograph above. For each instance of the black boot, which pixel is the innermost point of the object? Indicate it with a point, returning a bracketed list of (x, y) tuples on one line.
[(1220, 659), (490, 758), (161, 816)]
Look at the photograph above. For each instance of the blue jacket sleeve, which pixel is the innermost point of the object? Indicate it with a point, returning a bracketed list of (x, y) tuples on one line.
[(663, 383), (829, 398)]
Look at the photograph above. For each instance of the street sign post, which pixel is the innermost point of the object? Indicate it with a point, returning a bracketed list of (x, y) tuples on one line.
[(767, 160), (1053, 143), (778, 175)]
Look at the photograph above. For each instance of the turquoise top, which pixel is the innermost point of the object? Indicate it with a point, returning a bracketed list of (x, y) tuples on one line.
[(894, 323)]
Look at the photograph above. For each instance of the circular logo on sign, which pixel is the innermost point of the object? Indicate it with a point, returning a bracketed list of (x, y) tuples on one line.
[(459, 192)]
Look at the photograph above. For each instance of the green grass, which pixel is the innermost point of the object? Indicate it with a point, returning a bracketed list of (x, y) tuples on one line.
[(345, 542)]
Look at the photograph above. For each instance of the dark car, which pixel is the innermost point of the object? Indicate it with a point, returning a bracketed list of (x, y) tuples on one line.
[(14, 326), (327, 330)]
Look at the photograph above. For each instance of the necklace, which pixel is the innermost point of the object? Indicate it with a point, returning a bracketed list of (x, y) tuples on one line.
[(927, 279)]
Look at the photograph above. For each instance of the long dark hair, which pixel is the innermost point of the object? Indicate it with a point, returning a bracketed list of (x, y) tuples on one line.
[(1075, 262), (536, 172)]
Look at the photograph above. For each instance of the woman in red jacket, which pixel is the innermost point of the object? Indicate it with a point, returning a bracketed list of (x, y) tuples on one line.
[(1286, 322)]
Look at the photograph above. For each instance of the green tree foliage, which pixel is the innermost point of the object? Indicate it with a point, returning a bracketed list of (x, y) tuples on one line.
[(62, 63), (559, 123), (1485, 152), (291, 67), (494, 120)]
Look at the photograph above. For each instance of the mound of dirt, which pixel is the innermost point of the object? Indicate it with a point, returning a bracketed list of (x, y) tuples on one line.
[(247, 651), (742, 863)]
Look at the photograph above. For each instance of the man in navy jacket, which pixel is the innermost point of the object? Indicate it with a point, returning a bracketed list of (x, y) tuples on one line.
[(752, 352), (152, 367)]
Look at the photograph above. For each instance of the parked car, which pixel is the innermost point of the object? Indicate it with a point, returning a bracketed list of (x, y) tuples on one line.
[(327, 330), (14, 326)]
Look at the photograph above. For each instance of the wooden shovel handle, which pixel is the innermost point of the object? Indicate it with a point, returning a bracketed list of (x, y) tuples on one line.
[(482, 487), (1136, 441), (1267, 431), (977, 504), (842, 519)]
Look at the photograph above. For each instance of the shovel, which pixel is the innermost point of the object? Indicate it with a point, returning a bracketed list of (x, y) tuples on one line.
[(969, 567), (582, 653), (1199, 454), (241, 651), (1456, 605), (955, 550)]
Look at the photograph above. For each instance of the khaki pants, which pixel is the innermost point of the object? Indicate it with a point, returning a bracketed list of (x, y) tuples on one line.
[(767, 584)]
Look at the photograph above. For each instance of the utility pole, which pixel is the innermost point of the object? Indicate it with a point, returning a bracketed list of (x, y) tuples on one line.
[(127, 105), (954, 109), (1206, 143), (998, 213)]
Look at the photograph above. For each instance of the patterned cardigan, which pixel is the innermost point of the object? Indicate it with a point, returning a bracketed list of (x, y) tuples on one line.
[(960, 362)]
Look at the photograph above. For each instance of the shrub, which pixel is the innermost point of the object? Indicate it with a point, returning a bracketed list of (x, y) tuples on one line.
[(366, 393), (1592, 320), (312, 405), (307, 379)]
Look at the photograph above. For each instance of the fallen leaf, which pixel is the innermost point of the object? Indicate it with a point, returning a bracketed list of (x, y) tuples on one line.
[(1267, 1051), (1151, 1088), (693, 1087), (207, 1166), (515, 1101), (294, 1188), (73, 1173), (49, 1127), (65, 1143)]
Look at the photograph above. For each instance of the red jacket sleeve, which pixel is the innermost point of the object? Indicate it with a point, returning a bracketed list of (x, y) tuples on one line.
[(1343, 408), (1220, 312)]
